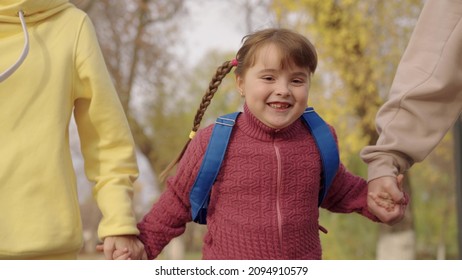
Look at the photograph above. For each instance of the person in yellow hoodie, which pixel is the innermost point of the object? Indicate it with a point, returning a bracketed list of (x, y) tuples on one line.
[(51, 68)]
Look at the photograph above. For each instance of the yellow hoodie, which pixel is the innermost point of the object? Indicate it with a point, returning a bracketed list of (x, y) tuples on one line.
[(62, 72)]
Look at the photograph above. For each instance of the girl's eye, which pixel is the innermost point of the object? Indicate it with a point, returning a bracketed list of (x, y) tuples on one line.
[(298, 81), (268, 78)]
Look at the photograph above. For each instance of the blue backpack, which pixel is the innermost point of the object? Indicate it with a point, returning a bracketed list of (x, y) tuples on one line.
[(216, 150)]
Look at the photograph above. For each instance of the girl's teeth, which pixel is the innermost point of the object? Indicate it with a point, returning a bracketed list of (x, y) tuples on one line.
[(279, 106)]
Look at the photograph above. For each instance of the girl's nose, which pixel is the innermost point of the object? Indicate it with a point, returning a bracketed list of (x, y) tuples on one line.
[(283, 89)]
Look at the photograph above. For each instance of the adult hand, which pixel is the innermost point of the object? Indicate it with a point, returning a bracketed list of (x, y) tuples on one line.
[(386, 199)]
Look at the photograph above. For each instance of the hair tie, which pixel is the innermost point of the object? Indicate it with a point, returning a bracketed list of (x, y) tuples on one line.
[(234, 62), (192, 134)]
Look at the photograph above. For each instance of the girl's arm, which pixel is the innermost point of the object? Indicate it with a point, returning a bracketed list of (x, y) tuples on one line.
[(168, 217)]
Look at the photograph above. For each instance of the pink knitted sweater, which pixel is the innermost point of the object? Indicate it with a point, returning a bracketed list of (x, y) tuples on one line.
[(264, 202)]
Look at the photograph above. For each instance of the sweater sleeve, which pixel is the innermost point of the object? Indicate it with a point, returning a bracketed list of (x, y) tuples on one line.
[(426, 95), (168, 217), (106, 141), (348, 193)]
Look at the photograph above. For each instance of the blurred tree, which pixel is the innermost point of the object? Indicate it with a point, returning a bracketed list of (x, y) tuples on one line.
[(90, 222), (138, 39), (252, 10), (434, 200), (83, 4), (359, 44)]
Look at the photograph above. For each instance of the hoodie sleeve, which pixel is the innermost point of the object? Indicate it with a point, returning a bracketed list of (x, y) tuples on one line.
[(426, 95), (106, 141)]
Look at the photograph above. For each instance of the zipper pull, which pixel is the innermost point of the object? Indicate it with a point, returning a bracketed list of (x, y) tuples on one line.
[(323, 229)]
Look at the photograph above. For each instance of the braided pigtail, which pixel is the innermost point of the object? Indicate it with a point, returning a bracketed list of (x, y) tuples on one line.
[(220, 74)]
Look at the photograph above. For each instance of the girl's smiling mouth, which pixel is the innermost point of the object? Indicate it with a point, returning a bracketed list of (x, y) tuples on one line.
[(279, 105)]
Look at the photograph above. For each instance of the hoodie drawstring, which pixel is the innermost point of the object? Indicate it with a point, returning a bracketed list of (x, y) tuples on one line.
[(25, 51)]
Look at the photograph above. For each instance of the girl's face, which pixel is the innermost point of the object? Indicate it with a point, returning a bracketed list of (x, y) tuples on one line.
[(276, 96)]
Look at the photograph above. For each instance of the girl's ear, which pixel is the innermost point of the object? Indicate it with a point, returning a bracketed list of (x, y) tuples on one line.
[(240, 85)]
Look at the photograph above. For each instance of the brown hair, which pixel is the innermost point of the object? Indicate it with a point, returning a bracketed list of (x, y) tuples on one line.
[(295, 49)]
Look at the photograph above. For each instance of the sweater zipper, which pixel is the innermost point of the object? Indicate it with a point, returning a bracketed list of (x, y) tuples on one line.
[(278, 188)]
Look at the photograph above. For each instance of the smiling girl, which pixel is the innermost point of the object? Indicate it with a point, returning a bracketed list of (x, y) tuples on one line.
[(264, 202)]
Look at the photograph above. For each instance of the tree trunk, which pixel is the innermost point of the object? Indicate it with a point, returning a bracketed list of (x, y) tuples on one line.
[(398, 242)]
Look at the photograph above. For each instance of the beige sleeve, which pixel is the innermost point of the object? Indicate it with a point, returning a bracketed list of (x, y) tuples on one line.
[(426, 95)]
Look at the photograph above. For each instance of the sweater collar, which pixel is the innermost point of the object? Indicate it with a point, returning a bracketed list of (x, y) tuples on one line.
[(253, 127)]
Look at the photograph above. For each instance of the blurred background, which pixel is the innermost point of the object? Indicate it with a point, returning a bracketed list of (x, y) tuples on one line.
[(163, 53)]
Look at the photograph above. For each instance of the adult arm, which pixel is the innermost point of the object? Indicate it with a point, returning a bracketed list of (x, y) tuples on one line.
[(426, 95), (106, 141)]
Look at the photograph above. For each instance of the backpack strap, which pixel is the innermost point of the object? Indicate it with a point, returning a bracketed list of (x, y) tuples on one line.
[(213, 158), (327, 147), (216, 149)]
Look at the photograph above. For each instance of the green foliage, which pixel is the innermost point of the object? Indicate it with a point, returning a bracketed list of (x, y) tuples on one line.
[(433, 201), (349, 237), (356, 42)]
